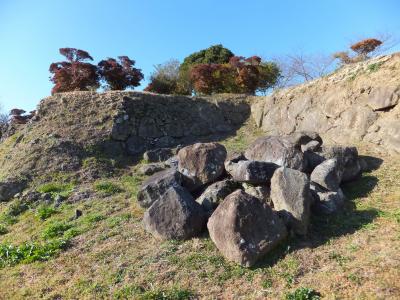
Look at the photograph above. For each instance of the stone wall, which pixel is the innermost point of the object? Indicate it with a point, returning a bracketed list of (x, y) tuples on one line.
[(146, 121)]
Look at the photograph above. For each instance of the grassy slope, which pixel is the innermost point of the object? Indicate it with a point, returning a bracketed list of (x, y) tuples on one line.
[(354, 254)]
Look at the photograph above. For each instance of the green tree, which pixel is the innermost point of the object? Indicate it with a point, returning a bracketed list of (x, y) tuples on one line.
[(216, 54)]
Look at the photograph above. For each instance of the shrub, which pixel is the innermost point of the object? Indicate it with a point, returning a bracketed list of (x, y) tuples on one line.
[(240, 75), (303, 294), (44, 212), (164, 80), (212, 78), (364, 47), (119, 74), (216, 54), (75, 74), (107, 188)]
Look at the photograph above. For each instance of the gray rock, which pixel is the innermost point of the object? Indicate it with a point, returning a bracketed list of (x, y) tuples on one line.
[(158, 155), (384, 97), (201, 163), (301, 138), (347, 157), (176, 215), (326, 202), (172, 162), (262, 192), (290, 193), (254, 172), (155, 186), (328, 174), (244, 228), (10, 187), (150, 169), (215, 193), (278, 150), (311, 146)]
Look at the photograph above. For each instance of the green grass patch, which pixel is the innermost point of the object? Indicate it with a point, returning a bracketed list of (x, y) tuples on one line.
[(374, 67), (139, 293), (45, 211), (29, 252), (303, 293), (56, 189), (3, 229), (92, 218), (55, 229), (132, 183), (107, 188)]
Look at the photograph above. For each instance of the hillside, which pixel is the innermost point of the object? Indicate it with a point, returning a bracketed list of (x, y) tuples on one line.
[(72, 227), (355, 104)]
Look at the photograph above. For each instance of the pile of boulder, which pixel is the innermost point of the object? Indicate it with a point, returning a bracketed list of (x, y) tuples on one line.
[(250, 201)]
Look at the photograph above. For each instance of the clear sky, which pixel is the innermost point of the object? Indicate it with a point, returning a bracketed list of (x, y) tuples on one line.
[(153, 31)]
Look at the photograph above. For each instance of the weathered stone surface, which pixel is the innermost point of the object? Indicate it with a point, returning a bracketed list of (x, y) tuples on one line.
[(290, 193), (244, 229), (158, 154), (384, 97), (150, 169), (300, 138), (201, 163), (311, 146), (328, 174), (262, 192), (344, 155), (9, 188), (254, 172), (278, 150), (172, 162), (326, 202), (215, 193), (176, 215), (365, 110), (155, 186)]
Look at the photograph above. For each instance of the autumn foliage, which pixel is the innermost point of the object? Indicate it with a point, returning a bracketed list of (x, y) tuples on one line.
[(119, 74), (240, 75), (366, 46), (74, 74)]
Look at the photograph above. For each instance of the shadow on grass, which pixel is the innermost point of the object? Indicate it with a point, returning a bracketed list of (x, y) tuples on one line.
[(323, 228)]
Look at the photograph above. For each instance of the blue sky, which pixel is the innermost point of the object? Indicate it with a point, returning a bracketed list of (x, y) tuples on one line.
[(153, 31)]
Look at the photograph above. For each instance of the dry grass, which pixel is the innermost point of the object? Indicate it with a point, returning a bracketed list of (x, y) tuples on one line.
[(353, 255)]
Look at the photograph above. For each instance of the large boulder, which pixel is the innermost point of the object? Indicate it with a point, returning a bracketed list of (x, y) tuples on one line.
[(10, 187), (384, 97), (290, 193), (328, 174), (176, 215), (155, 186), (279, 150), (215, 193), (347, 158), (250, 171), (244, 228), (326, 202), (201, 163)]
